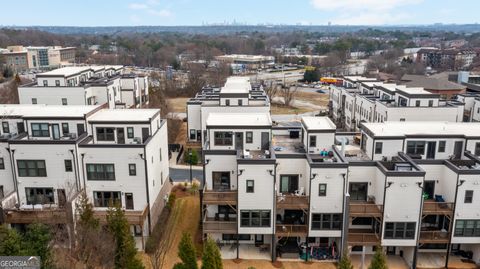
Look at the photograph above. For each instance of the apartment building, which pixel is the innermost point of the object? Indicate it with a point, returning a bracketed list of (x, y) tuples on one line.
[(303, 190), (238, 95), (446, 58), (50, 154), (363, 100), (21, 58), (87, 85)]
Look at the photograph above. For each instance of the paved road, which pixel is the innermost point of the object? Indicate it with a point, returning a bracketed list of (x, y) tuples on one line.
[(181, 175)]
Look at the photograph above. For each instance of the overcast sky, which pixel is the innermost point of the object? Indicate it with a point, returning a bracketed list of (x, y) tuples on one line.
[(198, 12)]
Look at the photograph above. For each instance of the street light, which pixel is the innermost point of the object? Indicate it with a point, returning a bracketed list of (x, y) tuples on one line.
[(190, 161)]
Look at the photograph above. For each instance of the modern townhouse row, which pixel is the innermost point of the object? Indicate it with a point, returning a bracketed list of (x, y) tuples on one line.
[(303, 190), (87, 85), (50, 154), (472, 106), (362, 99)]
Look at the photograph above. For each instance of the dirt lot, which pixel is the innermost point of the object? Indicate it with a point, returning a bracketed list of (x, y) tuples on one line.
[(320, 99), (281, 109), (178, 105)]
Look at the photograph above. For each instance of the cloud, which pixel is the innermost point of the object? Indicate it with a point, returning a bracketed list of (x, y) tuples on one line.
[(137, 6), (161, 13), (361, 5), (151, 8)]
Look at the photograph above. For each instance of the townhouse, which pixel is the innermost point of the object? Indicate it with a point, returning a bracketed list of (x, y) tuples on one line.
[(238, 95), (373, 101), (49, 154), (472, 106), (87, 85), (303, 190)]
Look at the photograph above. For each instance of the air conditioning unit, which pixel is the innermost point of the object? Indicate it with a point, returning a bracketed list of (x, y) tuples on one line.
[(137, 140)]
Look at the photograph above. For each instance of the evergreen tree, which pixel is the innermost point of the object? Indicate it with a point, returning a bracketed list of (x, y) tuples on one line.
[(211, 258), (125, 250), (379, 260), (186, 253), (86, 217), (37, 243), (11, 243), (345, 262)]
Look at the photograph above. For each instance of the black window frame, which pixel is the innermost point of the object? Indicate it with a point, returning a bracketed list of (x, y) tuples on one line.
[(48, 193), (68, 165), (130, 132), (378, 147), (132, 169), (65, 128), (103, 202), (25, 168), (5, 127), (312, 141), (100, 175), (34, 101), (477, 149), (326, 221), (227, 102), (417, 103), (400, 230), (255, 218), (249, 137), (104, 135), (41, 131), (442, 145), (250, 189), (64, 102), (468, 199), (465, 230), (416, 147), (221, 139), (321, 192), (240, 102), (2, 163)]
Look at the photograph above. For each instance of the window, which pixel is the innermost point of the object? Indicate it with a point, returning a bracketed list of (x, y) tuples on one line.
[(399, 230), (402, 119), (57, 83), (417, 103), (378, 147), (39, 196), (100, 171), (223, 138), (193, 134), (34, 101), (40, 130), (467, 228), (45, 83), (5, 127), (416, 147), (240, 237), (132, 169), (250, 186), (249, 137), (430, 103), (326, 221), (105, 134), (468, 197), (64, 101), (130, 132), (2, 164), (313, 141), (106, 198), (65, 128), (255, 218), (322, 189), (227, 102), (240, 102), (31, 168), (442, 145), (137, 229), (68, 166), (477, 148)]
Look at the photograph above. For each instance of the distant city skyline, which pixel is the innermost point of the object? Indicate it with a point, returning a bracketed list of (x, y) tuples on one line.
[(252, 12)]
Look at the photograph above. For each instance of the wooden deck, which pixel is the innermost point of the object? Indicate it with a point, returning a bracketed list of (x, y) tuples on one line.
[(437, 208), (220, 197), (287, 230), (362, 237), (365, 209), (292, 202), (210, 225), (134, 217), (434, 237), (47, 216)]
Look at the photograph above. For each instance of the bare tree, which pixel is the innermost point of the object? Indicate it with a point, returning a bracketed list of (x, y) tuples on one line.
[(271, 89), (288, 94), (196, 79)]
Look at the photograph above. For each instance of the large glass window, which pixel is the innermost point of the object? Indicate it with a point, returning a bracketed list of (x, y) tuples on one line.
[(326, 221), (31, 168), (313, 141), (130, 132), (6, 128), (416, 147), (442, 145), (249, 137), (39, 196), (399, 230), (468, 197), (100, 171), (2, 164), (255, 218), (40, 130), (378, 147), (223, 138), (467, 228), (106, 198), (106, 134)]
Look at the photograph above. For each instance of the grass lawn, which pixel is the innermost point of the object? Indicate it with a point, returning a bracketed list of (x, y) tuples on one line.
[(320, 99), (281, 109)]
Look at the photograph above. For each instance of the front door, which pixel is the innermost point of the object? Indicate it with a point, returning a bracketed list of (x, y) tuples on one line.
[(457, 150), (199, 135), (288, 183), (358, 191), (265, 140), (120, 136), (258, 239), (145, 134), (221, 181), (20, 127), (62, 198), (431, 148), (391, 250), (429, 188), (56, 131), (129, 200), (239, 141)]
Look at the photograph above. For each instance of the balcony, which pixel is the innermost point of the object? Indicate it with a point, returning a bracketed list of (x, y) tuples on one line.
[(210, 225), (291, 230), (437, 208), (216, 197), (362, 237), (434, 237), (134, 217), (365, 209), (27, 216), (292, 201)]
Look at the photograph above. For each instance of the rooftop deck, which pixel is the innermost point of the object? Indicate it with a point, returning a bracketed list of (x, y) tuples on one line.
[(283, 144)]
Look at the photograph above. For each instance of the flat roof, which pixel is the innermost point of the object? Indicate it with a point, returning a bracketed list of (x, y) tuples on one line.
[(45, 111), (359, 78), (239, 119), (416, 90), (124, 115), (66, 71), (237, 85), (412, 128), (318, 123)]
